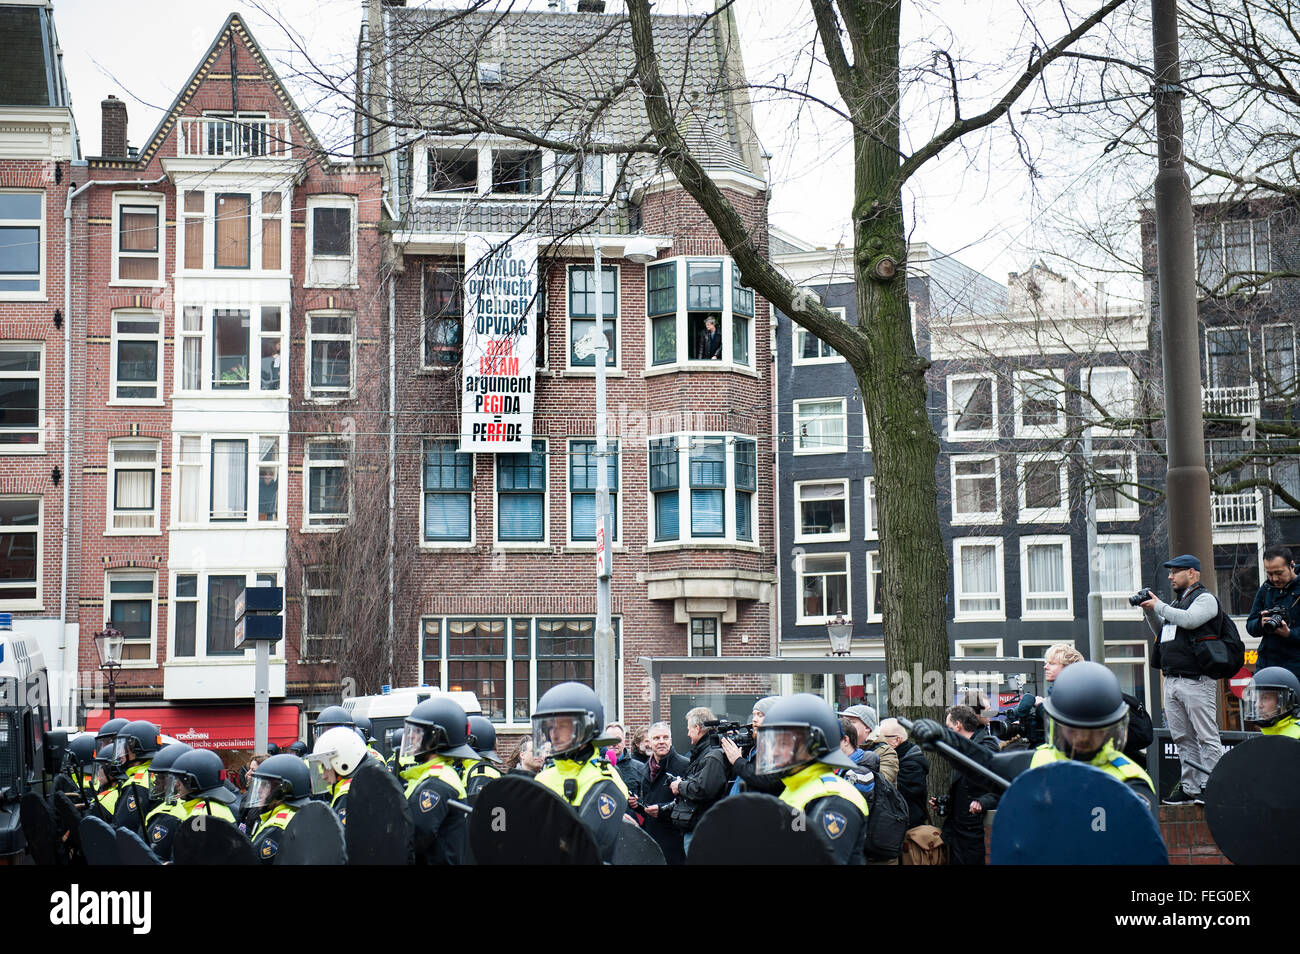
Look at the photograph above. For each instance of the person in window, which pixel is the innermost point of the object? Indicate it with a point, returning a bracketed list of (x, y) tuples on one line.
[(709, 345), (271, 366), (268, 494)]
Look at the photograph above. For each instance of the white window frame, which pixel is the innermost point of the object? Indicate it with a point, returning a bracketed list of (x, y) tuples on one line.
[(800, 618), (135, 576), (1270, 392), (545, 542), (1030, 514), (139, 199), (1045, 643), (866, 431), (685, 444), (206, 336), (1063, 541), (1143, 663), (1122, 611), (201, 471), (717, 634), (200, 600), (1045, 377), (979, 517), (683, 360), (311, 279), (322, 394), (38, 446), (619, 494), (800, 420), (799, 336), (38, 602), (1276, 503), (308, 592), (871, 527), (328, 523), (961, 647), (874, 603), (427, 544), (1000, 613), (1090, 412), (1132, 509), (616, 318), (116, 338), (42, 235), (155, 513), (988, 433), (799, 535)]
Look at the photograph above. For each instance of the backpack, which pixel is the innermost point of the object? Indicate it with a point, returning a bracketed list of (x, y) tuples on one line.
[(1223, 654), (887, 822), (1140, 730), (924, 846)]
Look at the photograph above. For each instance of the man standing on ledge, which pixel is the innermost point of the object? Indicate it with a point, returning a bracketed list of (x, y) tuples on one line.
[(1191, 699)]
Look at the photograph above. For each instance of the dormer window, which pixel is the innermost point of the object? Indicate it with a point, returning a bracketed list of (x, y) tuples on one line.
[(580, 175), (517, 172), (453, 170)]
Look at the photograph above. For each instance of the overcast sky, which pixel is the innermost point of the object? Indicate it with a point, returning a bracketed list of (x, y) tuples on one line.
[(975, 204)]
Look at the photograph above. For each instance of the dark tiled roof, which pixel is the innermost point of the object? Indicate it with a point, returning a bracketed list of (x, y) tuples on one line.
[(555, 67), (24, 72)]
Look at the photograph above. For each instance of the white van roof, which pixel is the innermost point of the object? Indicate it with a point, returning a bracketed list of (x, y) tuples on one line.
[(20, 655), (400, 702)]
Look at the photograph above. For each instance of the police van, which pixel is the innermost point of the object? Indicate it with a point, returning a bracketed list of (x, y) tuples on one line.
[(387, 712), (29, 751)]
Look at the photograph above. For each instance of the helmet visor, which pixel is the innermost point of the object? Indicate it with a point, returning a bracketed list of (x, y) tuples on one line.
[(177, 787), (1082, 745), (121, 749), (780, 748), (566, 732), (417, 739), (1264, 705), (158, 785), (318, 764), (263, 792)]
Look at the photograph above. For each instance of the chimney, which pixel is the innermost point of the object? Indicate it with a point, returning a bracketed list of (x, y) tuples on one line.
[(591, 6), (113, 127)]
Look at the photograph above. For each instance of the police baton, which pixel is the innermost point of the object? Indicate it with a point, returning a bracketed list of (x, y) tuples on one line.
[(961, 758), (461, 806)]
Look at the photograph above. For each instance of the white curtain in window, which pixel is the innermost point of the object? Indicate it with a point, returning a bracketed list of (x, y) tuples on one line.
[(1116, 567), (191, 493), (229, 478), (979, 572), (1046, 568)]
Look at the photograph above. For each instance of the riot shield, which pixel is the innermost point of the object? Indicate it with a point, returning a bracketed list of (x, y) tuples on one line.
[(314, 837), (519, 822), (132, 849), (204, 840), (635, 847), (379, 829), (1068, 813), (69, 818), (1250, 802), (755, 829), (99, 842), (40, 830)]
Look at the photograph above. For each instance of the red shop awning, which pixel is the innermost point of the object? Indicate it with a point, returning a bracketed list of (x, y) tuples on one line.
[(210, 727)]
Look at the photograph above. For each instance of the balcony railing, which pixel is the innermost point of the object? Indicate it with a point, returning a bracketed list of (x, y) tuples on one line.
[(1237, 510), (224, 137), (1231, 402)]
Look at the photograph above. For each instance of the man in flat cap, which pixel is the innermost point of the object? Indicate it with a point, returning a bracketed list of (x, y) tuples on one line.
[(1190, 696)]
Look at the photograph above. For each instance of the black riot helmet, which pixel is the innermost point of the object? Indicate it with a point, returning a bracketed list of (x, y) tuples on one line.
[(136, 740), (108, 731), (437, 726), (568, 718), (1272, 694), (1085, 710), (198, 775), (299, 749), (483, 738), (281, 778), (329, 718), (798, 731), (364, 727), (272, 749), (160, 777), (82, 750)]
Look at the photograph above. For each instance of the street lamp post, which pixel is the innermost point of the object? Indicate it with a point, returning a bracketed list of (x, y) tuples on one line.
[(108, 644)]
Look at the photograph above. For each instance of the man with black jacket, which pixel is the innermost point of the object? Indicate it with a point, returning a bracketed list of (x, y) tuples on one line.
[(662, 767), (970, 795), (706, 778), (1279, 600), (1191, 699), (744, 778), (913, 772)]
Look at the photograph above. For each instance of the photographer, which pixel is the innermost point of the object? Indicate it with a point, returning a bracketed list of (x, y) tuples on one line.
[(742, 760), (1275, 614), (970, 796), (706, 777)]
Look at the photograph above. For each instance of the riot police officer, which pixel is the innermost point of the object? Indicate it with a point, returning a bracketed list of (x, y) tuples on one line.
[(566, 724), (339, 752), (133, 749), (1087, 722), (475, 773), (331, 717), (162, 821), (1271, 700), (81, 766), (799, 741), (199, 788), (436, 734), (108, 778), (280, 786), (366, 729)]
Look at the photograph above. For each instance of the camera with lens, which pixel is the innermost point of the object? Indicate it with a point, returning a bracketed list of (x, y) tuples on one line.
[(737, 732), (1140, 597), (941, 805), (1271, 620)]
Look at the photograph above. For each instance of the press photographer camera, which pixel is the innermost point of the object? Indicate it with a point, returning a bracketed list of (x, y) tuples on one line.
[(1140, 597), (742, 735), (1273, 619), (940, 805)]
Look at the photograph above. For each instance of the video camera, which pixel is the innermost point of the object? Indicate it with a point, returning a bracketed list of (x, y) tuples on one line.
[(737, 732)]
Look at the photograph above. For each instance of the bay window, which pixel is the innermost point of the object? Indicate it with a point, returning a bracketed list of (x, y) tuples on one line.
[(216, 482), (698, 311), (243, 349), (720, 479)]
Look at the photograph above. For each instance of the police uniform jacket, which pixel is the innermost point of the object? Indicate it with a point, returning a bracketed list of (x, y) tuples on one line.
[(133, 802), (1287, 727), (595, 791), (269, 833), (440, 830), (833, 808), (1113, 763)]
